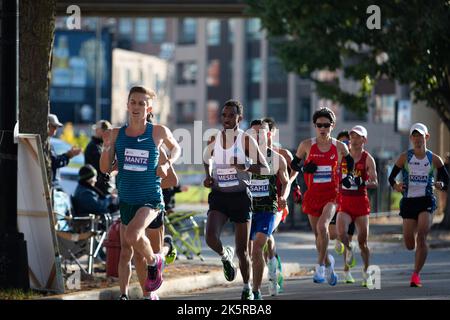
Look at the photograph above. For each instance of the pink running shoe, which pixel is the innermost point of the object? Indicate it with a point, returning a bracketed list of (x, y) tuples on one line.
[(154, 274), (415, 280)]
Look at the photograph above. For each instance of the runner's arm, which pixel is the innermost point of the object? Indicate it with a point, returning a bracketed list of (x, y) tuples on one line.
[(287, 155), (284, 178), (259, 165), (395, 171), (299, 155), (372, 181), (108, 150), (172, 144), (442, 174), (207, 154)]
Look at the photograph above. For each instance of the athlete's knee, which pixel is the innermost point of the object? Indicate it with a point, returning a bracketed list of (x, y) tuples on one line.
[(362, 242), (126, 254), (211, 239), (410, 244), (422, 238), (132, 237), (242, 252), (322, 230)]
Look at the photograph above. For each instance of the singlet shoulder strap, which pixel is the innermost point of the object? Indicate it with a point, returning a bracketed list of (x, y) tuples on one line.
[(334, 141), (430, 159)]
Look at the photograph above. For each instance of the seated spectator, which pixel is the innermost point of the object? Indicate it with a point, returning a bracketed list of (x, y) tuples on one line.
[(88, 198)]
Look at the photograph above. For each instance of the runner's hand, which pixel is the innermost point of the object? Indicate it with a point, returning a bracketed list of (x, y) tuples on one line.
[(399, 187), (347, 181), (208, 182), (281, 203), (359, 181), (234, 164), (310, 167), (297, 195), (163, 169), (107, 137), (439, 185)]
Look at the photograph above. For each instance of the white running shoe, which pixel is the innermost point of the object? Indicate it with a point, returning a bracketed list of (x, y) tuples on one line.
[(331, 276), (319, 275)]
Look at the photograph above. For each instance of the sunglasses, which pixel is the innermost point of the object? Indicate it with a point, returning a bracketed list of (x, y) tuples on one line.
[(323, 125)]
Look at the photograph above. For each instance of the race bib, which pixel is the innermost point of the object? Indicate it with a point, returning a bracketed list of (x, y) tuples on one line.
[(227, 177), (322, 175), (260, 188), (136, 160)]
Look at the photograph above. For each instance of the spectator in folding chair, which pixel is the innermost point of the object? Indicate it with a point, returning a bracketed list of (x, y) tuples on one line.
[(88, 199)]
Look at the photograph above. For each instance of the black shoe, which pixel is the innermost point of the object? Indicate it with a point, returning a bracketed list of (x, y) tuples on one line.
[(123, 297)]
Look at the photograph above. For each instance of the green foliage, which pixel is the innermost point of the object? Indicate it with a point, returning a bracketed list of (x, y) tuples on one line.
[(330, 35)]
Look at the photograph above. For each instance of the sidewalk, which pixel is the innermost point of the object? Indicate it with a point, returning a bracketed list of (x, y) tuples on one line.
[(296, 249)]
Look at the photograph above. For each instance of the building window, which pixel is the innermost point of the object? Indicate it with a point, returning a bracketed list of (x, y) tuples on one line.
[(186, 73), (353, 116), (276, 72), (213, 76), (277, 108), (253, 29), (231, 30), (213, 32), (187, 29), (158, 30), (254, 111), (255, 70), (304, 111), (213, 112), (142, 29), (186, 112), (384, 108), (125, 26)]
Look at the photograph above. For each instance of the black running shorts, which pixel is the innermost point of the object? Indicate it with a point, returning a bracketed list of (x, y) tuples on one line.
[(237, 206)]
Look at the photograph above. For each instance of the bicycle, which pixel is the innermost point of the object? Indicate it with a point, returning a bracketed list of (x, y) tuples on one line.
[(185, 233)]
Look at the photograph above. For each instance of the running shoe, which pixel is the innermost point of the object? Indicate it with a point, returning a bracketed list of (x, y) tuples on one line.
[(350, 259), (154, 274), (367, 279), (229, 269), (151, 296), (123, 297), (339, 247), (331, 276), (274, 288), (257, 295), (247, 294), (348, 278), (280, 279), (415, 280), (319, 275), (172, 254)]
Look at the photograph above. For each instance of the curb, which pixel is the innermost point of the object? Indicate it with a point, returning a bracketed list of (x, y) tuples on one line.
[(171, 286)]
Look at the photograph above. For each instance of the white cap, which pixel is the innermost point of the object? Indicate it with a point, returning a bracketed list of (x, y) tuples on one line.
[(360, 130), (53, 120), (419, 127)]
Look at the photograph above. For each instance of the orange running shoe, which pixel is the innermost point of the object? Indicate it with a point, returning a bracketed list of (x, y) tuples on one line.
[(415, 280)]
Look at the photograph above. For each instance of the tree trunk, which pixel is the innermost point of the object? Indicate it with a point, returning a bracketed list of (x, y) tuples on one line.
[(36, 32)]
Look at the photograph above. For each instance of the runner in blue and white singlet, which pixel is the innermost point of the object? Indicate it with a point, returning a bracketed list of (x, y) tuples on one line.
[(418, 203)]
